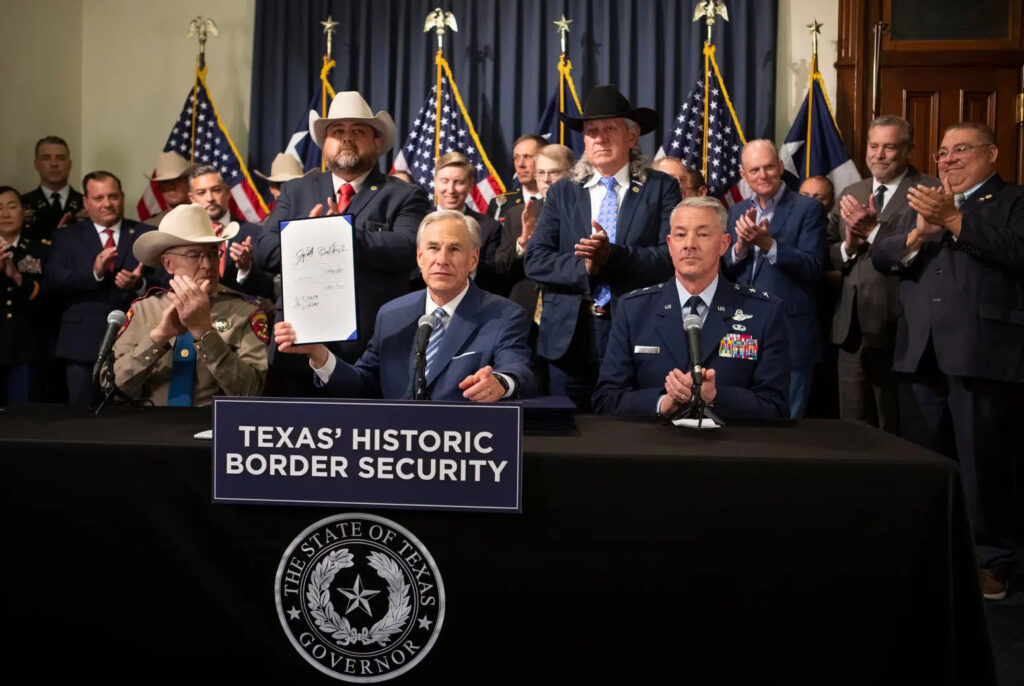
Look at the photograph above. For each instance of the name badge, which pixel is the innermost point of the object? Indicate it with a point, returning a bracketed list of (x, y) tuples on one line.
[(646, 350)]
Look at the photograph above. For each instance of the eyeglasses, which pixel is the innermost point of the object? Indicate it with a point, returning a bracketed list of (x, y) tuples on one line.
[(195, 256), (553, 174), (958, 150)]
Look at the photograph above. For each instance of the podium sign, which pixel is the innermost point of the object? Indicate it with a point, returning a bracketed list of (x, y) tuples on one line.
[(368, 453)]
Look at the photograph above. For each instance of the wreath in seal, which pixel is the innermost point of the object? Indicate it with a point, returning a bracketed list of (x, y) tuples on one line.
[(318, 599)]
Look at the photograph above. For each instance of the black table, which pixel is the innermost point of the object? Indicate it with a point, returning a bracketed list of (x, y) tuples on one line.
[(819, 553)]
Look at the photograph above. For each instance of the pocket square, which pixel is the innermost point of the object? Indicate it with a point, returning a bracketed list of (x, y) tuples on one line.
[(471, 352), (646, 350)]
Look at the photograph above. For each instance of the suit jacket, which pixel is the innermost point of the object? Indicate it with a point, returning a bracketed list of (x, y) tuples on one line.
[(490, 234), (385, 215), (87, 302), (40, 218), (258, 282), (509, 265), (639, 256), (647, 342), (967, 295), (499, 205), (798, 227), (864, 290), (485, 330)]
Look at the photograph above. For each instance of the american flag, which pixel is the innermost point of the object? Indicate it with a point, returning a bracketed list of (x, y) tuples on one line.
[(457, 134), (212, 146), (684, 138)]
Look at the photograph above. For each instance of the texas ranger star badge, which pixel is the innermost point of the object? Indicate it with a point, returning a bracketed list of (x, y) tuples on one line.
[(359, 597)]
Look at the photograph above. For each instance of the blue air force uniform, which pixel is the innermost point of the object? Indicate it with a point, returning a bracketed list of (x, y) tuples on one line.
[(744, 339)]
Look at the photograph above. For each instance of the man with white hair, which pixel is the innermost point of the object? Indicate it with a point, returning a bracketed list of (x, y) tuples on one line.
[(199, 339), (385, 213), (477, 350), (602, 233)]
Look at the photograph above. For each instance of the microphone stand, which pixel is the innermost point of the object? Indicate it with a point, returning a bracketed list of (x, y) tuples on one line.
[(105, 378), (420, 378), (696, 409)]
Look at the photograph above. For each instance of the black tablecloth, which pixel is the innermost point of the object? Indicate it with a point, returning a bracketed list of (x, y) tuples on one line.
[(823, 552)]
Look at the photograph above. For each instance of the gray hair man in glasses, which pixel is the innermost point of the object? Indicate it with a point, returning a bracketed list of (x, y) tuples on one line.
[(960, 337), (199, 339)]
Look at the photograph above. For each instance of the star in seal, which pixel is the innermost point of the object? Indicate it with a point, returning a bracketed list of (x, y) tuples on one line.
[(358, 596)]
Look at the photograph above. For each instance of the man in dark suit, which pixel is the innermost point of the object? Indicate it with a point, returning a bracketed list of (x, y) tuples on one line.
[(237, 271), (960, 337), (779, 248), (476, 352), (864, 321), (385, 215), (602, 233), (454, 178), (524, 186), (54, 204), (91, 265), (742, 339)]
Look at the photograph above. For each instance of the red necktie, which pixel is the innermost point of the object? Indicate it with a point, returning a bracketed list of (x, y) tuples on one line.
[(345, 194), (109, 244), (219, 229)]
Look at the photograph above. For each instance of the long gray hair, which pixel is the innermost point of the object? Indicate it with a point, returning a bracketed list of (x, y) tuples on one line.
[(638, 162)]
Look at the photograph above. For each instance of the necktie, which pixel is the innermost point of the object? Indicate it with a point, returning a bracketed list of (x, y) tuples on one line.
[(109, 244), (435, 339), (218, 228), (694, 304), (55, 201), (958, 199), (880, 199), (345, 194), (183, 368), (607, 217)]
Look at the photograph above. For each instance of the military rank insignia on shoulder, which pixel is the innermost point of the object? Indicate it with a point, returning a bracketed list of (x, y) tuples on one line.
[(646, 290), (752, 292)]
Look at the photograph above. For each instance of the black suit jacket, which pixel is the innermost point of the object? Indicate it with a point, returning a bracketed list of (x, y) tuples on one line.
[(87, 302), (966, 295), (41, 219), (385, 215), (509, 265), (864, 290), (258, 282)]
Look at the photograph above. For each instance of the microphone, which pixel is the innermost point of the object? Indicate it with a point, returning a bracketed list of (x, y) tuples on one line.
[(692, 326), (115, 320), (425, 326)]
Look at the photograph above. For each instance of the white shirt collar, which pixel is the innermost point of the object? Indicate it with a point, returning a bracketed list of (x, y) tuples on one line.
[(621, 176), (450, 307), (356, 183), (116, 227), (970, 191), (890, 187), (63, 193), (14, 243)]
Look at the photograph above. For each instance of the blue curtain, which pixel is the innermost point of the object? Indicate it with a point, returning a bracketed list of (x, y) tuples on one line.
[(504, 58)]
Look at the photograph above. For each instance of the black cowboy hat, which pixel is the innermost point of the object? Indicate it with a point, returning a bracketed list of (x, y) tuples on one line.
[(606, 102)]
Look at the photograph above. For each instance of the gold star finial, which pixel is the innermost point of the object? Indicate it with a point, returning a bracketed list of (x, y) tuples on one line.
[(330, 26), (562, 26), (815, 27)]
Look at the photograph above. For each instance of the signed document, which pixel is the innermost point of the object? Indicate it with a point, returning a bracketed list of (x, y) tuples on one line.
[(318, 289)]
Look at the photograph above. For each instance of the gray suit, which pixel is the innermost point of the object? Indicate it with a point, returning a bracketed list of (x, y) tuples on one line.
[(864, 321)]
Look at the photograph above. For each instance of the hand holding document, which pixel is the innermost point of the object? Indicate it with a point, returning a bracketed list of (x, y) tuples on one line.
[(318, 279)]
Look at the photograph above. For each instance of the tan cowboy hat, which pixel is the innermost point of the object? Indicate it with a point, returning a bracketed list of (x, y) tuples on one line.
[(284, 168), (351, 106), (170, 165), (184, 225)]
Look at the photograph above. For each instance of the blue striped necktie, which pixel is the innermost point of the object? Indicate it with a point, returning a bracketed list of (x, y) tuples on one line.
[(607, 217), (435, 339)]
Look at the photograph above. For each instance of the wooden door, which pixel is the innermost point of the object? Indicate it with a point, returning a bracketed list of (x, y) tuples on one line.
[(940, 62)]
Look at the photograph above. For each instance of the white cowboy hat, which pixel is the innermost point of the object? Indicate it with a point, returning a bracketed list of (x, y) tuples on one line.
[(349, 105), (184, 225), (170, 165), (284, 168)]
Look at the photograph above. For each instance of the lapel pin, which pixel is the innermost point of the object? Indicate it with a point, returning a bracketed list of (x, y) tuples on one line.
[(373, 188), (668, 307), (131, 232), (741, 316), (636, 189)]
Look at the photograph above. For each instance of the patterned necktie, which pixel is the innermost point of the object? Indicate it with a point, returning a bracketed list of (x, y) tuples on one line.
[(607, 217), (345, 194), (880, 199), (55, 201), (109, 244), (435, 339)]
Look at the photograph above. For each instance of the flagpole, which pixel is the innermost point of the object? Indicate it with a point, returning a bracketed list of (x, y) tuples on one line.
[(815, 28), (563, 32), (199, 28), (438, 20), (330, 26)]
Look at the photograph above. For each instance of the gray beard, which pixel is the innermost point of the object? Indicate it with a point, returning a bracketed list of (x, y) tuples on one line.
[(348, 162)]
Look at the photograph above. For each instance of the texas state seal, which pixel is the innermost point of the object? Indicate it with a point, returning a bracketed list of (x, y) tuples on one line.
[(359, 597)]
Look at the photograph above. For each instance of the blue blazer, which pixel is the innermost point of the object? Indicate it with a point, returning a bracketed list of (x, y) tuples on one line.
[(385, 214), (639, 256), (966, 295), (798, 227), (486, 329), (647, 342), (86, 301)]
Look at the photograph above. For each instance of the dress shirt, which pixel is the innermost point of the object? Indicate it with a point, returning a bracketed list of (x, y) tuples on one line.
[(763, 213), (597, 191)]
